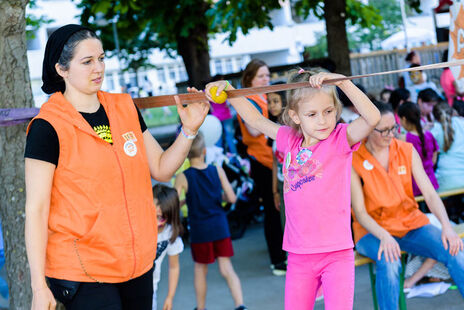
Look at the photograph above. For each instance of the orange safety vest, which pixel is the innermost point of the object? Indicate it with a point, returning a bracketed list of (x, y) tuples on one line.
[(102, 221), (257, 146), (388, 195)]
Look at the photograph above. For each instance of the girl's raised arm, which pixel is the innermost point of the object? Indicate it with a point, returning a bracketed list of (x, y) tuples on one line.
[(370, 115), (246, 110)]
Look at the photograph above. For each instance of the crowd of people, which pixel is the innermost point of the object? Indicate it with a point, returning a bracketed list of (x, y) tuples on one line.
[(97, 231)]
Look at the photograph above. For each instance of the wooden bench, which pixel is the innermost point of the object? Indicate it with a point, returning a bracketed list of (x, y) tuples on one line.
[(443, 194), (360, 260)]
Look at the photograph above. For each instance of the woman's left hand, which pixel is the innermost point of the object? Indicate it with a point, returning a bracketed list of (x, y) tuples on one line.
[(451, 240), (317, 80), (193, 115)]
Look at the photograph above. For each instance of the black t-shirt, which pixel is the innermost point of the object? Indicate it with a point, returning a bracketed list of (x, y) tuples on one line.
[(42, 140)]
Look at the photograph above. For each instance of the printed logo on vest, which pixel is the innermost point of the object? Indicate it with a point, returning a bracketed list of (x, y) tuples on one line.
[(367, 165), (129, 136), (303, 156), (401, 170), (130, 148)]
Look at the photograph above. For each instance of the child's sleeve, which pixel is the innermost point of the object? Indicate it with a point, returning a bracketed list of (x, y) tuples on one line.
[(282, 139), (176, 247), (341, 139)]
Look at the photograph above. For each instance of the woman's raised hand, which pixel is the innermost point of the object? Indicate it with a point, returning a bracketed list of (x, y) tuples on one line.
[(193, 115), (317, 79)]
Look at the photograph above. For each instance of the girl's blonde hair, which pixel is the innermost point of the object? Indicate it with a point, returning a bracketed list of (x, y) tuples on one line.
[(295, 96), (443, 113)]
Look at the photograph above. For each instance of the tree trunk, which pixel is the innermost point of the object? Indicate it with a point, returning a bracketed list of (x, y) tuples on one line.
[(194, 50), (16, 93), (337, 40)]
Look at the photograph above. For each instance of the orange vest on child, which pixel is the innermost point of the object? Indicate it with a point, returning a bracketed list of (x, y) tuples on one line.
[(388, 195), (102, 221), (257, 146)]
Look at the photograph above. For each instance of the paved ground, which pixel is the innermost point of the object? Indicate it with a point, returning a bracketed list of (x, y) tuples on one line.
[(262, 290)]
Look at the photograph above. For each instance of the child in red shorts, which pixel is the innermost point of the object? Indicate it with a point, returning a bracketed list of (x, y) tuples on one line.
[(209, 229)]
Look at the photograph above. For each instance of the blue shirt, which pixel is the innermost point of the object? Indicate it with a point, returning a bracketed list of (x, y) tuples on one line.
[(450, 167), (207, 218)]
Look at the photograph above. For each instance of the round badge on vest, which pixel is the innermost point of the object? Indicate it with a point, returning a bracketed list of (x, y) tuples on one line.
[(130, 148), (367, 165)]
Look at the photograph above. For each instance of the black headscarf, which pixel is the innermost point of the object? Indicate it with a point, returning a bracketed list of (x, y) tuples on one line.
[(52, 82)]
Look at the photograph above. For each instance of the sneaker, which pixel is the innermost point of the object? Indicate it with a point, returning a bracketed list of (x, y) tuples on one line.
[(242, 307), (279, 269)]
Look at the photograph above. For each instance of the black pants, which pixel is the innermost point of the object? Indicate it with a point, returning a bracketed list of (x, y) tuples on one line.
[(262, 176), (133, 294)]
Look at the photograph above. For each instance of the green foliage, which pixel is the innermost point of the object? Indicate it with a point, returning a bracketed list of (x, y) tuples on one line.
[(231, 16), (368, 25), (371, 36), (356, 11), (160, 116), (319, 50), (33, 23), (145, 25)]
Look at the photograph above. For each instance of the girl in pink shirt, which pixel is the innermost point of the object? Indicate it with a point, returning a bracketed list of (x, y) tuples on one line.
[(316, 170)]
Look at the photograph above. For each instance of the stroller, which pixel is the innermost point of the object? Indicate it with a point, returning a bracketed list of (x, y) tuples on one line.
[(247, 206)]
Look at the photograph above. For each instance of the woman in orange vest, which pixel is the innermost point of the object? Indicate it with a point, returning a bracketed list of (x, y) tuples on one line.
[(90, 217), (387, 218), (257, 74)]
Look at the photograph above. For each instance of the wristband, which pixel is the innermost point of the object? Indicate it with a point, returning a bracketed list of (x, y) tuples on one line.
[(227, 85), (189, 137)]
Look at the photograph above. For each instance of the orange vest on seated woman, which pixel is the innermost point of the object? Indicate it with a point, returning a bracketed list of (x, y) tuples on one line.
[(102, 221), (257, 146), (388, 194)]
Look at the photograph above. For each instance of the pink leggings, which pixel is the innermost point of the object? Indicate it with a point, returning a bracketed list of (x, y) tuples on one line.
[(306, 273)]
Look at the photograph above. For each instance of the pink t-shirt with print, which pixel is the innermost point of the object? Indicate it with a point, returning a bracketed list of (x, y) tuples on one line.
[(316, 192)]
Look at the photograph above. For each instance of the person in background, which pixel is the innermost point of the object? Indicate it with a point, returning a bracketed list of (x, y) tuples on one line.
[(426, 100), (385, 94), (448, 129), (412, 58), (257, 74), (204, 186), (447, 81), (387, 218), (276, 105), (147, 86), (419, 83), (423, 141), (169, 241), (223, 113)]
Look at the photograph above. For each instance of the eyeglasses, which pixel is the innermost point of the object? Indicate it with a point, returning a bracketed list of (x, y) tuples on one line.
[(386, 132)]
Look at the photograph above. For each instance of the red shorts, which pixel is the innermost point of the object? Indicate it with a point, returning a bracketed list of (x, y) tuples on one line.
[(207, 252)]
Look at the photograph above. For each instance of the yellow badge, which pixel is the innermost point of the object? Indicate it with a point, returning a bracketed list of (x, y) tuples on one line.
[(401, 170), (129, 136)]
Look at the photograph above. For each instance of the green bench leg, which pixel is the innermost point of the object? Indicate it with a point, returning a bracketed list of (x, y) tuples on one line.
[(402, 299), (403, 270), (374, 294)]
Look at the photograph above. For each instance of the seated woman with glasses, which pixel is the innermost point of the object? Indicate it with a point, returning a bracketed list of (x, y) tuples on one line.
[(387, 218)]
